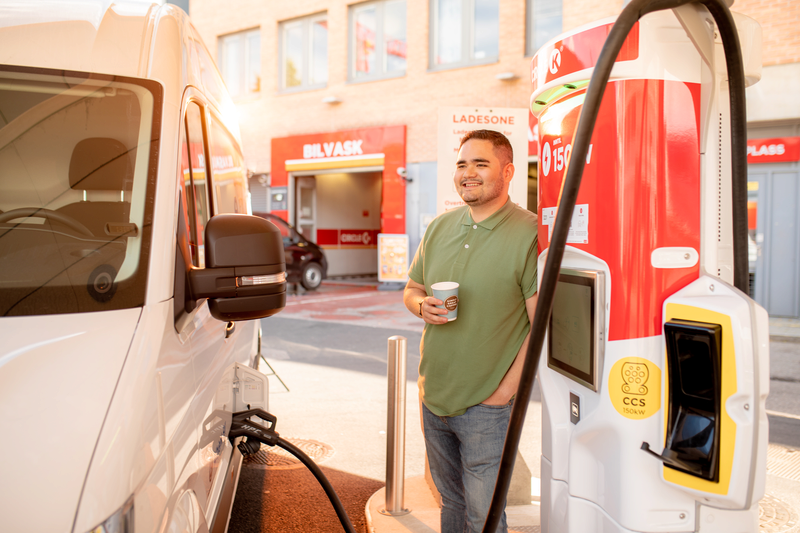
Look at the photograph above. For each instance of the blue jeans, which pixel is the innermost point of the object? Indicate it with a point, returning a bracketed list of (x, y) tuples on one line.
[(464, 455)]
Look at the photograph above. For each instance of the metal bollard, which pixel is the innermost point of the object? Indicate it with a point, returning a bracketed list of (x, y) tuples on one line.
[(396, 426)]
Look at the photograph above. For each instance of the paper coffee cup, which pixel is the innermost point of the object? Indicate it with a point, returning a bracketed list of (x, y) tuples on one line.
[(447, 291)]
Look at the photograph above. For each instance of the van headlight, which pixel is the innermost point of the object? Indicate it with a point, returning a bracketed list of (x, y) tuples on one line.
[(119, 522)]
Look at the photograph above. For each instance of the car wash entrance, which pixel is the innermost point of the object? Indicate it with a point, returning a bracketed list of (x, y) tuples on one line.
[(341, 189)]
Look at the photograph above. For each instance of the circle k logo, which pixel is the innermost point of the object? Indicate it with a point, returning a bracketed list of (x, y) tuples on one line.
[(546, 158), (555, 60)]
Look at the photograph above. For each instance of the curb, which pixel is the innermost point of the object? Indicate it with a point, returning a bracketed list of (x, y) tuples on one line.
[(774, 337), (368, 515)]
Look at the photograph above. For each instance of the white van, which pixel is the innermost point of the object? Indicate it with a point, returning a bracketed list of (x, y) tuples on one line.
[(126, 331)]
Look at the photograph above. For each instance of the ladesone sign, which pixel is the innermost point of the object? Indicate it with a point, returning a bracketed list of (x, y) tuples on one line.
[(454, 123)]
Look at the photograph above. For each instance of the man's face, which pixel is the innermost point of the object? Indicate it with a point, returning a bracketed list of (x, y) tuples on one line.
[(480, 176)]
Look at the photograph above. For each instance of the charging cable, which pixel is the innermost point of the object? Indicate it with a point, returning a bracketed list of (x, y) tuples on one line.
[(256, 434)]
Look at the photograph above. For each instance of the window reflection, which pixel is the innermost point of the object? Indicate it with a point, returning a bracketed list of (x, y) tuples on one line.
[(293, 55), (366, 33), (319, 52), (394, 27), (487, 29), (465, 32), (378, 39), (199, 212), (304, 53), (544, 22), (228, 171), (449, 38)]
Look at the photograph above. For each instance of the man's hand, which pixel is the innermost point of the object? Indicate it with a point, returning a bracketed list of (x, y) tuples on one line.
[(502, 395), (413, 294), (432, 314)]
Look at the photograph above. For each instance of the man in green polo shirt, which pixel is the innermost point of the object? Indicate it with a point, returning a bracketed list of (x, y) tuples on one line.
[(470, 367)]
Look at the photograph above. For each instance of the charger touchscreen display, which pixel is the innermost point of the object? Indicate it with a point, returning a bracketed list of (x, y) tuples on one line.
[(571, 337)]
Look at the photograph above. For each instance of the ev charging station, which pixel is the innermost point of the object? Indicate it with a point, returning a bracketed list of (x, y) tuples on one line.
[(655, 367)]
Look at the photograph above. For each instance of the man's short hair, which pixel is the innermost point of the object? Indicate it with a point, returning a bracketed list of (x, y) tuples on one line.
[(500, 143)]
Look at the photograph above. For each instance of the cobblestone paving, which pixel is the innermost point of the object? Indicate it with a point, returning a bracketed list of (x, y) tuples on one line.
[(776, 517)]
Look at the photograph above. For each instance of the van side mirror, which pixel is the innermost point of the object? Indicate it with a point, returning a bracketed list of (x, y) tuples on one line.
[(245, 273)]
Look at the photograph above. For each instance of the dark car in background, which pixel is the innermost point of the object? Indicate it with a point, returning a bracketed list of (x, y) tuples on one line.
[(305, 261)]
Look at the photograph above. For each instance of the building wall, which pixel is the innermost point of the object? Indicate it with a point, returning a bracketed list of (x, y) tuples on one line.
[(774, 100), (580, 12), (412, 99), (780, 27), (420, 200)]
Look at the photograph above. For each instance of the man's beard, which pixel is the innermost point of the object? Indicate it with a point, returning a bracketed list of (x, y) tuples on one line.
[(489, 195)]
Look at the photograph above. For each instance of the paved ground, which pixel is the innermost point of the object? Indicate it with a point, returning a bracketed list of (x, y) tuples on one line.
[(329, 348)]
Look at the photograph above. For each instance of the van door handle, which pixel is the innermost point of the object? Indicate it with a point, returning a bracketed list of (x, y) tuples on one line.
[(229, 329)]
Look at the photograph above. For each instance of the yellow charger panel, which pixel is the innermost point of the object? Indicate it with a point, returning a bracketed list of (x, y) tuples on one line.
[(699, 434)]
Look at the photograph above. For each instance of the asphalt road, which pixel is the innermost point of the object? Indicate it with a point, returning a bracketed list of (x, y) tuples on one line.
[(337, 379), (336, 373), (784, 393)]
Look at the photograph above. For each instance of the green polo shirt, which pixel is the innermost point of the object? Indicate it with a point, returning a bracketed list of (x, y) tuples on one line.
[(494, 263)]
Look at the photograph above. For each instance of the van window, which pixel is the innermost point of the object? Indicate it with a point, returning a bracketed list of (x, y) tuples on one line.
[(228, 170), (78, 162), (200, 209), (185, 184), (209, 75)]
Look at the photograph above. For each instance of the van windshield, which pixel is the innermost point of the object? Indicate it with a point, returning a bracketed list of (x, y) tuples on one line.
[(78, 159)]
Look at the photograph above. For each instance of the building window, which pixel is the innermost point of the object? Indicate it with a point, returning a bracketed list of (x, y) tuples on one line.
[(304, 53), (377, 40), (544, 23), (240, 62), (465, 32)]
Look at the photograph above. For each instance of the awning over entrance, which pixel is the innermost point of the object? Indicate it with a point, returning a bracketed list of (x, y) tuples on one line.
[(334, 163)]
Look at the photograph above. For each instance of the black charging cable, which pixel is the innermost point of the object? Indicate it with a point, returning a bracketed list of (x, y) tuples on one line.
[(243, 426), (580, 146)]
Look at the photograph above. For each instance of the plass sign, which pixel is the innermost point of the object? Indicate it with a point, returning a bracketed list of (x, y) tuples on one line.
[(454, 122)]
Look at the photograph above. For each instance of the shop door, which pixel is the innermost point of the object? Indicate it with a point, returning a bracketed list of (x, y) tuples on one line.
[(306, 207), (348, 220), (775, 242)]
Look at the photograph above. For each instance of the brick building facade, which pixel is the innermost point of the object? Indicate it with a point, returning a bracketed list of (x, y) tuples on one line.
[(411, 97)]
